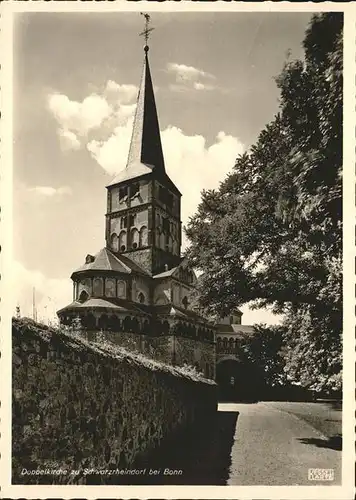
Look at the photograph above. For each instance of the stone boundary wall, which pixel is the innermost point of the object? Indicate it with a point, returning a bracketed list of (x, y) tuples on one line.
[(80, 405), (164, 348), (157, 348)]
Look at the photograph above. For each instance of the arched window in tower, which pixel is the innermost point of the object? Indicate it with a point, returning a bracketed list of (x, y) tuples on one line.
[(143, 236), (185, 302), (114, 242), (141, 298), (131, 220), (122, 241), (135, 238)]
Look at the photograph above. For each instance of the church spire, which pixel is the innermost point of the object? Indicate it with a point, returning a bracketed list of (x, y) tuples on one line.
[(146, 147)]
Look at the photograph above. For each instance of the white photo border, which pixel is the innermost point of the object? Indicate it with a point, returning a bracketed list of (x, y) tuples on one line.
[(346, 490)]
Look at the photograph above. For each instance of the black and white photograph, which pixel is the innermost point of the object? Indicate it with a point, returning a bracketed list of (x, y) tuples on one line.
[(174, 282)]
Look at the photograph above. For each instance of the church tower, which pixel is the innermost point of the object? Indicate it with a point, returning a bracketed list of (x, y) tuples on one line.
[(138, 289), (143, 204)]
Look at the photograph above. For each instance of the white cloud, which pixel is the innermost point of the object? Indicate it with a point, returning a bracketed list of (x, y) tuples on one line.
[(194, 166), (51, 294), (188, 77), (184, 73), (68, 140), (203, 86), (112, 153), (79, 117), (122, 93), (175, 87), (50, 191), (181, 87), (97, 114), (64, 190), (124, 113)]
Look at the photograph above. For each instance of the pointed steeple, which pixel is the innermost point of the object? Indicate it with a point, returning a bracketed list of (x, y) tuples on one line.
[(145, 153), (146, 147)]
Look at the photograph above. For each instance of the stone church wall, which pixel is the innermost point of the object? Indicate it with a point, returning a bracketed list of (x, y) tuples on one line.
[(142, 257), (140, 286), (81, 406)]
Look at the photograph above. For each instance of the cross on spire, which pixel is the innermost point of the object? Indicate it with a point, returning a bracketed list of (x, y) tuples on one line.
[(146, 32)]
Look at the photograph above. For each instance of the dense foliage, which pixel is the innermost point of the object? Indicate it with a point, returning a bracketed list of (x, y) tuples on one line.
[(271, 234), (263, 351)]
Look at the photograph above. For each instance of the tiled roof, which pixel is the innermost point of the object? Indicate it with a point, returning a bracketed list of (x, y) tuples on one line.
[(105, 260), (118, 305), (170, 272), (132, 171), (235, 329), (92, 302), (173, 310), (165, 274)]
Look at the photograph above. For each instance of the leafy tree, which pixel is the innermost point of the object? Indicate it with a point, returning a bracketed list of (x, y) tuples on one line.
[(271, 234), (263, 350)]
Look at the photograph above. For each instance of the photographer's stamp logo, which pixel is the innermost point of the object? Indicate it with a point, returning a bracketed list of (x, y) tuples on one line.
[(321, 474)]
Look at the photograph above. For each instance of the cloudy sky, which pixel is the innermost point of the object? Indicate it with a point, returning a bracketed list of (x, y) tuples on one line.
[(75, 86)]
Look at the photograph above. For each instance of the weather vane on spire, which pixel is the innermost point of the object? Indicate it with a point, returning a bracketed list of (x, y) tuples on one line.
[(146, 32)]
